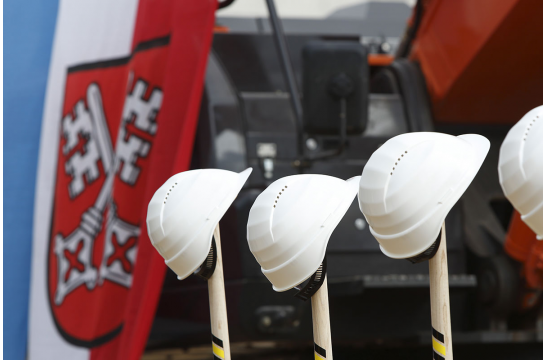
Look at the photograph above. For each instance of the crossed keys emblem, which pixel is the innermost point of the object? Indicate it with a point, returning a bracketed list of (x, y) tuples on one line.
[(88, 141)]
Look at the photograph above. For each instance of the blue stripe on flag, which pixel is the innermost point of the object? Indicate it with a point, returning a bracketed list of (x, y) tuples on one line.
[(28, 36)]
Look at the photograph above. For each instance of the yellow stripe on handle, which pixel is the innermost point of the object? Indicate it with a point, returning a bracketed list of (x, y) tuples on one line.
[(218, 351), (437, 346), (318, 356)]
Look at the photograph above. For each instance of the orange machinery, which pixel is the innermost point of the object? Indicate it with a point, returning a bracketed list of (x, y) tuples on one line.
[(482, 60), (521, 244)]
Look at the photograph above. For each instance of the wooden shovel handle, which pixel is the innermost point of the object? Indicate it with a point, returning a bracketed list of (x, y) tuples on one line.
[(320, 323), (440, 303), (218, 308)]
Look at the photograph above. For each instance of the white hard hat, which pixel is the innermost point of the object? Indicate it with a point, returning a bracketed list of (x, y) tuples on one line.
[(410, 183), (521, 168), (290, 224), (183, 213)]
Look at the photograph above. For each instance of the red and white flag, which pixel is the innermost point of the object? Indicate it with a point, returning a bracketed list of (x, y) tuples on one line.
[(120, 115)]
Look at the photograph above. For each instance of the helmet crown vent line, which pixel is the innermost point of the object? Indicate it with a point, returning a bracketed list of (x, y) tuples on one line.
[(168, 193), (398, 161), (529, 127), (278, 196)]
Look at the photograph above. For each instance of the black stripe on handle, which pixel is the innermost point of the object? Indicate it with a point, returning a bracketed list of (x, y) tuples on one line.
[(438, 335), (217, 341), (437, 356), (319, 350)]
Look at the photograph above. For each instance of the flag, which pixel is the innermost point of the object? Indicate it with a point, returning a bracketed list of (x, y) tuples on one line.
[(120, 113)]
